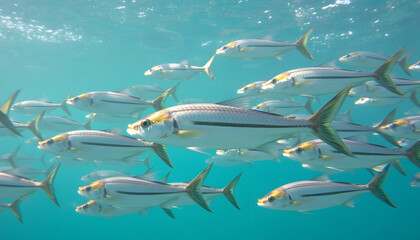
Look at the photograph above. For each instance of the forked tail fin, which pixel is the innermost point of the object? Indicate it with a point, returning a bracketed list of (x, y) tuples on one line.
[(375, 186), (47, 185), (194, 188), (228, 191), (301, 44), (381, 74)]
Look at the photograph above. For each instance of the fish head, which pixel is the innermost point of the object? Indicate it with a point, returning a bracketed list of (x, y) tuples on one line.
[(95, 190), (303, 152), (415, 182), (350, 58), (279, 82), (276, 199), (89, 208), (358, 91), (154, 71), (250, 89), (17, 107), (399, 127), (55, 145), (262, 107), (153, 127), (82, 101), (229, 49)]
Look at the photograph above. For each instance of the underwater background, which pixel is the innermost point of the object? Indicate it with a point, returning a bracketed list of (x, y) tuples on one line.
[(52, 49)]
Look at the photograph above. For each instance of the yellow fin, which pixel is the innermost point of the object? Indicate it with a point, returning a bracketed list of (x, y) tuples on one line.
[(302, 84), (188, 133), (298, 203), (245, 49), (328, 157), (167, 71)]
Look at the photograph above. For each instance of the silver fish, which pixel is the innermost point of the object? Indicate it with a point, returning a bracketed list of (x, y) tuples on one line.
[(101, 174), (408, 127), (313, 195), (38, 106), (282, 107), (415, 67), (92, 208)]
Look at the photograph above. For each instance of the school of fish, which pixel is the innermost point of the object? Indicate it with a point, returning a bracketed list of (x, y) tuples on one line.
[(239, 132)]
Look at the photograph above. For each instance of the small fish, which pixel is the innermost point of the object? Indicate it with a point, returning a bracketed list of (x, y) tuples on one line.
[(32, 125), (373, 89), (247, 155), (408, 127), (415, 67), (14, 207), (251, 89), (311, 195), (129, 192), (106, 118), (94, 176), (371, 60), (226, 161), (176, 71), (317, 81), (27, 172), (15, 187), (59, 124), (284, 107), (316, 152), (116, 103), (415, 181), (92, 208), (379, 102), (217, 126), (98, 145), (15, 159), (68, 161), (37, 106), (147, 92), (263, 48)]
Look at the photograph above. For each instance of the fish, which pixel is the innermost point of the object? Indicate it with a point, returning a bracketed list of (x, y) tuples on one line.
[(130, 192), (147, 92), (176, 71), (35, 107), (116, 103), (247, 155), (316, 152), (304, 196), (15, 159), (218, 126), (371, 60), (101, 174), (27, 172), (99, 145), (15, 187), (8, 127), (68, 161), (264, 48), (226, 161), (313, 81), (285, 108), (111, 119), (372, 89), (408, 127), (415, 67), (32, 126), (14, 207), (60, 124), (251, 89), (379, 102), (92, 208), (415, 181)]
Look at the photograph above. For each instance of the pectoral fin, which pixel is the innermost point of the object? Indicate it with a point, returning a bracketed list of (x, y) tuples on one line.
[(167, 71), (188, 133)]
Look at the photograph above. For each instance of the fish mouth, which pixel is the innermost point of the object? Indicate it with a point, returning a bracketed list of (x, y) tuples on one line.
[(266, 86), (240, 91), (260, 203), (287, 154), (147, 73), (220, 51), (341, 59), (70, 101), (130, 130)]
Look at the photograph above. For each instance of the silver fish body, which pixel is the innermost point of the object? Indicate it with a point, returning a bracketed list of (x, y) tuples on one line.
[(408, 127), (143, 91), (372, 89), (59, 124), (92, 208), (37, 106), (415, 67)]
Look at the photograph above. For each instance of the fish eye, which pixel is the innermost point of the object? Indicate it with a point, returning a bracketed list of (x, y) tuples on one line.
[(393, 126), (145, 123), (50, 141), (245, 88), (88, 188), (299, 150), (271, 199)]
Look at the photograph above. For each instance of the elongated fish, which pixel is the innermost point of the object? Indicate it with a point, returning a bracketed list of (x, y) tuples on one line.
[(216, 126), (263, 48), (372, 60), (367, 155), (115, 103), (317, 81), (247, 155), (15, 158), (113, 118), (27, 172), (313, 195), (101, 174), (92, 208), (143, 91), (176, 71), (282, 107), (15, 187), (132, 192), (408, 127), (373, 89), (14, 207), (415, 67), (60, 124), (98, 145), (37, 106)]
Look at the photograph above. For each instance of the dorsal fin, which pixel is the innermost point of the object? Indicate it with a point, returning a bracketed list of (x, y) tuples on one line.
[(267, 37), (184, 62), (323, 177)]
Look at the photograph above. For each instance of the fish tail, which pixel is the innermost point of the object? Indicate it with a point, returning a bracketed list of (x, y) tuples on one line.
[(11, 158), (4, 111), (8, 103), (414, 97), (47, 185), (194, 188), (146, 161), (63, 106), (159, 102), (308, 105), (33, 125), (413, 154), (301, 44), (381, 74), (88, 124), (398, 166), (161, 152), (389, 118), (15, 208), (321, 122), (403, 63), (207, 68), (375, 186), (228, 191), (173, 92)]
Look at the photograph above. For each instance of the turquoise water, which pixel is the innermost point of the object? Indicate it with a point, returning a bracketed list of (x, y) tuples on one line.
[(51, 49)]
